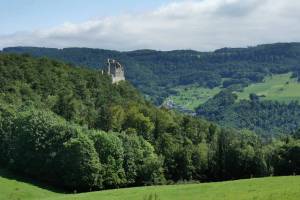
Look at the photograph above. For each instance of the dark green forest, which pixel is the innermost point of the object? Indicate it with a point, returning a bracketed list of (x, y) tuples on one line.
[(262, 116), (155, 73), (72, 128)]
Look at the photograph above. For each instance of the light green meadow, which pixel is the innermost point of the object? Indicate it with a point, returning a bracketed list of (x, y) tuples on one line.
[(192, 96), (271, 188), (277, 87)]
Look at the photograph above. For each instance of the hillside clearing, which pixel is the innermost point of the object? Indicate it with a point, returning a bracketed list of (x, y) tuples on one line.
[(191, 96), (277, 87)]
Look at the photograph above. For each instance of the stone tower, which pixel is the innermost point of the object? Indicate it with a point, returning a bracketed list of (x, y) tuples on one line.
[(115, 70)]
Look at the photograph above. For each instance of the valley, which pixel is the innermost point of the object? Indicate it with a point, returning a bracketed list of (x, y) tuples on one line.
[(150, 100)]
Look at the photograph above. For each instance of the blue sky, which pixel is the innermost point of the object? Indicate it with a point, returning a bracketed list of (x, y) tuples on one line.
[(26, 15), (203, 25)]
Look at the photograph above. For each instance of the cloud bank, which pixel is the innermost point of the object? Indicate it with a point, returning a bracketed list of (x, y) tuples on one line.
[(188, 24)]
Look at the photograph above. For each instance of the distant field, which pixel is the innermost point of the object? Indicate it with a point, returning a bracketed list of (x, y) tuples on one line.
[(192, 96), (272, 188), (277, 87)]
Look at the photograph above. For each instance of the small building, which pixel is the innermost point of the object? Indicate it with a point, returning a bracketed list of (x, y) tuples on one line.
[(115, 70)]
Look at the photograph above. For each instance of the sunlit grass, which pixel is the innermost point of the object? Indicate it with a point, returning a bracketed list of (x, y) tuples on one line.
[(271, 188), (277, 87), (192, 96)]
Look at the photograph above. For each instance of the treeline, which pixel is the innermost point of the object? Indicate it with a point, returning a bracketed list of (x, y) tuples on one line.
[(268, 118), (44, 146), (155, 73), (41, 145), (72, 128)]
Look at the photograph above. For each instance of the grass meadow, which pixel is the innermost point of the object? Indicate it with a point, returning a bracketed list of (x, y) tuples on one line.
[(271, 188), (277, 87)]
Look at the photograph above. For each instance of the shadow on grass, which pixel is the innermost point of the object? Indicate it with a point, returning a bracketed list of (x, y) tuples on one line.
[(151, 197), (4, 173)]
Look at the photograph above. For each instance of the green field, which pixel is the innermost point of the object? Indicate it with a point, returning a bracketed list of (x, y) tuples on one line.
[(272, 188), (192, 96), (277, 87), (15, 189)]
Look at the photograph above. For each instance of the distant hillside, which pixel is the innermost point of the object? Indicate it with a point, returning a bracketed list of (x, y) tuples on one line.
[(155, 73), (266, 117)]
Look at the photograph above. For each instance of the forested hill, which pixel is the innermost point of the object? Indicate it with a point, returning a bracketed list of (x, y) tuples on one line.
[(155, 73), (267, 118), (74, 93), (72, 128)]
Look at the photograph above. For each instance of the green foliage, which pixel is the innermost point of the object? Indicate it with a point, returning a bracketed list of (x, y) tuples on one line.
[(268, 118), (138, 121), (156, 73), (141, 164), (287, 158), (7, 116), (44, 146), (264, 70), (76, 94), (80, 165), (74, 129), (111, 154)]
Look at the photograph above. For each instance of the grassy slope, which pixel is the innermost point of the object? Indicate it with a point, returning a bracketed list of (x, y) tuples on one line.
[(192, 96), (13, 189), (279, 188), (275, 188), (278, 87)]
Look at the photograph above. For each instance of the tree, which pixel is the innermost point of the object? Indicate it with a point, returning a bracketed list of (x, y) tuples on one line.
[(142, 166), (142, 124), (45, 146), (118, 118), (111, 154), (80, 165), (200, 161), (67, 106), (7, 116), (286, 160)]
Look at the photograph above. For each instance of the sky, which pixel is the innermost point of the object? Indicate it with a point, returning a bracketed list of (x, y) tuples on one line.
[(203, 25)]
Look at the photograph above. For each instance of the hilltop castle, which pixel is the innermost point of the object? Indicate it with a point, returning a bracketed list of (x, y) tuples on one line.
[(115, 70)]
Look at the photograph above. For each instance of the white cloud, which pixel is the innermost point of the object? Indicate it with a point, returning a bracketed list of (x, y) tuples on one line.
[(188, 24)]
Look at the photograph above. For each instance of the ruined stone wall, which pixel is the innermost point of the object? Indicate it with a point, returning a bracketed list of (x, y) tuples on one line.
[(115, 70)]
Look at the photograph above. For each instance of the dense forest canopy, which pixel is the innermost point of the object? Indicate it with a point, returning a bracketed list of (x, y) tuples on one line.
[(156, 72), (72, 128), (268, 118)]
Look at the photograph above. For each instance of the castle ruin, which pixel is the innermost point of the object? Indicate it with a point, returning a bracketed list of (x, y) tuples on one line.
[(115, 70)]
